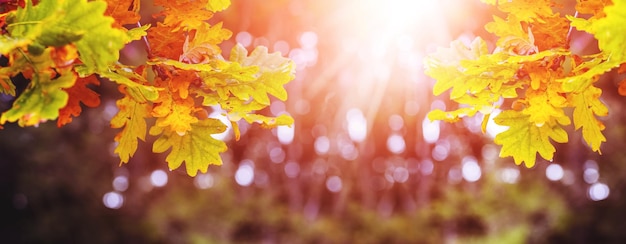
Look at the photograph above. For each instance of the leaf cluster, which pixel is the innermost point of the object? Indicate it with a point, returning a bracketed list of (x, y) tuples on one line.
[(64, 47), (532, 79)]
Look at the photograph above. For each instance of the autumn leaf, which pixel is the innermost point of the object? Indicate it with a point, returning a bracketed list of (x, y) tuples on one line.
[(204, 44), (131, 117), (595, 7), (74, 21), (513, 38), (197, 149), (274, 72), (183, 14), (165, 42), (123, 11), (523, 139), (6, 85), (527, 10), (175, 113), (135, 84), (444, 65), (217, 5), (552, 33), (41, 101), (79, 93), (587, 106)]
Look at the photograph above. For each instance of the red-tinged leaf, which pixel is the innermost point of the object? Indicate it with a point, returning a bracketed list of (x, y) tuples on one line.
[(79, 93)]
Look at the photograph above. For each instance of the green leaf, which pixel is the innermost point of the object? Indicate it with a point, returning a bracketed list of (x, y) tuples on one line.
[(133, 81), (41, 101), (138, 32), (197, 148), (10, 43), (57, 23)]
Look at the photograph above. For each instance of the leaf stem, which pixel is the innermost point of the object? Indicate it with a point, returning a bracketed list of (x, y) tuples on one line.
[(24, 23), (28, 60)]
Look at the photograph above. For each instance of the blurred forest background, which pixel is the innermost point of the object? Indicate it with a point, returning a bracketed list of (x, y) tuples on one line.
[(360, 165)]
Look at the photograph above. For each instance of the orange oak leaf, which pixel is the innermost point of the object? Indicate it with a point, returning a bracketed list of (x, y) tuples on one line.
[(123, 11), (173, 111), (595, 7), (166, 42), (552, 33), (78, 93), (64, 57), (181, 79), (184, 14)]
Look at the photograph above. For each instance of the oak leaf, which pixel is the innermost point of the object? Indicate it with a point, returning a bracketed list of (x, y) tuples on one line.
[(79, 93), (523, 139), (131, 117), (587, 106), (197, 148), (123, 11)]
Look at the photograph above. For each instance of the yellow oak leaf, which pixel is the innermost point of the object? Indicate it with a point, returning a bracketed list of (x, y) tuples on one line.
[(274, 71), (523, 139), (197, 148), (540, 111), (513, 38), (132, 117), (587, 106), (527, 10), (203, 46), (217, 5), (444, 65)]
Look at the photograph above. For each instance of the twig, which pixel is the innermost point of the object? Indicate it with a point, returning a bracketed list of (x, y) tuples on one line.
[(569, 32), (145, 40)]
